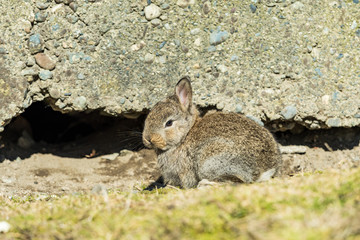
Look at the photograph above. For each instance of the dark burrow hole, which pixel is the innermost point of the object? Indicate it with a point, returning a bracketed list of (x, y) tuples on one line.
[(40, 129), (76, 134)]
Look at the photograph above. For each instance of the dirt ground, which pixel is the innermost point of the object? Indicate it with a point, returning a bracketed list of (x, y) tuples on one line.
[(28, 166)]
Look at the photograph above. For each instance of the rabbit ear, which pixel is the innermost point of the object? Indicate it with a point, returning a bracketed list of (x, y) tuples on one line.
[(184, 92)]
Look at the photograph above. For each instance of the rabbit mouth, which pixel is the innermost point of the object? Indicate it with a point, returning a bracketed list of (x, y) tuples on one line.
[(155, 141)]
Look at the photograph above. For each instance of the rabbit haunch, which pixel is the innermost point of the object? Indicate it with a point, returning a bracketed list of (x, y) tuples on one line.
[(217, 147)]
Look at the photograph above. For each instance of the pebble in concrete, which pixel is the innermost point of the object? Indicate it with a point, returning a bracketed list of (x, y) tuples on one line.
[(152, 11), (45, 74), (289, 112), (44, 61), (217, 37)]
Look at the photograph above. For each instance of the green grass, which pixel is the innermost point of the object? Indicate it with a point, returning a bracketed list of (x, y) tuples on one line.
[(315, 206)]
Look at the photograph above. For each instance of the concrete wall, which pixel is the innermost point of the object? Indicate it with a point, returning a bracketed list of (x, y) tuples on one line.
[(277, 60)]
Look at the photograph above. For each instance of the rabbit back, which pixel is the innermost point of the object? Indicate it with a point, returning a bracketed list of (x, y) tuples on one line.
[(231, 146)]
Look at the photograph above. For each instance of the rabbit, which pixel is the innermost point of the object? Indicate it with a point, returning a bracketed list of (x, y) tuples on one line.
[(216, 147)]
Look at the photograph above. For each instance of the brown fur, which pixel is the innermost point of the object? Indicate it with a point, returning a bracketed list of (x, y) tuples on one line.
[(217, 147)]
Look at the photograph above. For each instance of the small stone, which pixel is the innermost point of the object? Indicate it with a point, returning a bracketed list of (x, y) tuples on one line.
[(289, 112), (353, 25), (167, 26), (42, 5), (152, 11), (185, 3), (238, 108), (197, 66), (122, 100), (293, 149), (73, 6), (7, 180), (340, 56), (325, 99), (40, 16), (163, 17), (253, 8), (333, 122), (162, 59), (177, 42), (197, 42), (81, 76), (207, 7), (297, 6), (30, 62), (45, 74), (3, 51), (80, 103), (217, 37), (211, 49), (29, 72), (4, 227), (165, 6), (195, 31), (34, 43), (357, 32), (318, 71), (156, 22), (137, 46), (149, 58), (65, 189), (54, 93), (45, 61), (234, 58), (162, 44), (110, 157), (221, 68)]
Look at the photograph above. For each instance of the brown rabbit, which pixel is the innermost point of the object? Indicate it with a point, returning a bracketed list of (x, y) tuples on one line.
[(217, 147)]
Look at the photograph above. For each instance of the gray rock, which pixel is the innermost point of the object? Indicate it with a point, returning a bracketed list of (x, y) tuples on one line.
[(238, 108), (217, 37), (289, 112), (295, 149), (40, 16), (162, 44), (156, 22), (29, 72), (81, 76), (80, 103), (45, 74), (3, 51), (333, 122), (253, 8), (195, 31), (165, 6), (211, 49), (42, 5), (35, 44), (149, 58), (234, 58), (185, 3), (152, 11)]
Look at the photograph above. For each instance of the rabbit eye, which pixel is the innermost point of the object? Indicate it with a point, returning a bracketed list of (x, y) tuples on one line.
[(169, 123)]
